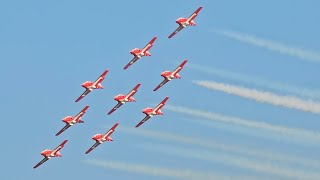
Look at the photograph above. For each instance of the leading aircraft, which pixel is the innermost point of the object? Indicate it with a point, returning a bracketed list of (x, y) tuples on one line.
[(90, 86), (101, 138), (168, 76), (138, 53), (122, 99), (70, 120), (48, 154), (184, 22), (150, 112)]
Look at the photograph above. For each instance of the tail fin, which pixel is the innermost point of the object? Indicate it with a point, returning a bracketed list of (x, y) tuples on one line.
[(80, 121)]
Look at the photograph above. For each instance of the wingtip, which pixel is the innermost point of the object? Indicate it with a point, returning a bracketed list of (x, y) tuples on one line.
[(137, 86), (64, 142), (106, 71)]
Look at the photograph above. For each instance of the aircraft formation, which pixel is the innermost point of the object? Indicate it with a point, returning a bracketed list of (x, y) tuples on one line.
[(121, 98)]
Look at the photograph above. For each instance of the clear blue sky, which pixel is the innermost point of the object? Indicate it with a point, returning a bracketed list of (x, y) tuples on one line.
[(47, 49)]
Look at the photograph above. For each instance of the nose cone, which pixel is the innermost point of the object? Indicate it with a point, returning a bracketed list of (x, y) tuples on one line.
[(119, 97), (135, 51), (86, 84), (165, 73), (180, 20), (147, 110), (97, 137), (67, 119), (45, 152)]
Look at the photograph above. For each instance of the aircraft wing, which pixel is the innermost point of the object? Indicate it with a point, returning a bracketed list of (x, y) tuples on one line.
[(163, 102), (179, 68), (59, 147), (195, 14), (161, 84), (176, 31), (93, 147), (115, 108), (81, 113), (149, 45), (63, 129), (133, 91), (143, 120), (41, 162), (111, 130), (135, 58), (86, 92), (101, 77)]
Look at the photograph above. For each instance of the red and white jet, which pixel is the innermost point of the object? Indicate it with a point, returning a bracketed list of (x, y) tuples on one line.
[(184, 22), (90, 86), (70, 120), (48, 154), (122, 99), (150, 112), (138, 53), (101, 138), (168, 76)]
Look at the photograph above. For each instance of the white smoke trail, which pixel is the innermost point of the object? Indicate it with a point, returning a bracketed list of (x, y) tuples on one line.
[(258, 166), (249, 79), (159, 171), (264, 97), (211, 144), (272, 45), (306, 135)]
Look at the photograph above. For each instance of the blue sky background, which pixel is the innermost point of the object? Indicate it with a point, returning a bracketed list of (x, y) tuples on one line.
[(48, 49)]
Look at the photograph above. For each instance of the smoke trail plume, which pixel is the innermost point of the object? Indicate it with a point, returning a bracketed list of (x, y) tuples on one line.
[(306, 135), (264, 97), (272, 45), (258, 166), (158, 171), (211, 144), (249, 79)]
